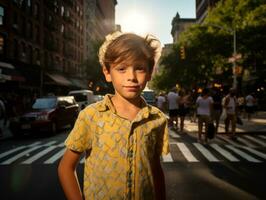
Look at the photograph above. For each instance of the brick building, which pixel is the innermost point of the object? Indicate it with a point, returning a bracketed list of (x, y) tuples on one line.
[(43, 43)]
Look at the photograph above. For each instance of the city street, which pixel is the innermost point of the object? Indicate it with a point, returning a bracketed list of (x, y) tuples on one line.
[(223, 169)]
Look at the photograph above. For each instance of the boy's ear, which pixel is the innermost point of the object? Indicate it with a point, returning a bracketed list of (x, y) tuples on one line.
[(107, 74)]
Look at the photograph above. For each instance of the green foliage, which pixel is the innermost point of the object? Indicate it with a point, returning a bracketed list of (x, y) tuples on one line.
[(209, 45)]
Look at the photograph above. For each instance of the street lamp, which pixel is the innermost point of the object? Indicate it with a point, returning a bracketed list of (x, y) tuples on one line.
[(232, 31)]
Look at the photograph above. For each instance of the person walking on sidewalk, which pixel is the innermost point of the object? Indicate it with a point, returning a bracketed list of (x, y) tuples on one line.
[(172, 98), (204, 106), (250, 105), (161, 102), (230, 106), (217, 108), (183, 103)]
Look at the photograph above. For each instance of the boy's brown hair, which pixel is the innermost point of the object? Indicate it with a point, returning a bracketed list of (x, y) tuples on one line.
[(120, 47)]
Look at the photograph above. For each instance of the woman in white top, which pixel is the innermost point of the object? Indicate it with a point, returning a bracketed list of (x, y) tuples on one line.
[(204, 106)]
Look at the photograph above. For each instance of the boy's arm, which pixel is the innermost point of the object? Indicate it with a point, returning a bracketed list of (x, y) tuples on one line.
[(67, 175), (159, 181)]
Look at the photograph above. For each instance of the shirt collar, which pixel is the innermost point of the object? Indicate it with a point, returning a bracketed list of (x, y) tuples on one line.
[(145, 111)]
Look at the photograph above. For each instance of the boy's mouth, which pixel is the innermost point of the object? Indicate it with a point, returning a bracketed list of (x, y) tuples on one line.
[(136, 87)]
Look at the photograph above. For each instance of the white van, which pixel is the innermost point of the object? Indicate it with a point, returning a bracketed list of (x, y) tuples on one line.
[(149, 96), (83, 97)]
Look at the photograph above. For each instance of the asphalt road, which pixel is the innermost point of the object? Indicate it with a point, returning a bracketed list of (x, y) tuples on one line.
[(223, 169)]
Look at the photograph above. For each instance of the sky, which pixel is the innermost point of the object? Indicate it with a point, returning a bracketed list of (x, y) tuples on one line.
[(152, 16)]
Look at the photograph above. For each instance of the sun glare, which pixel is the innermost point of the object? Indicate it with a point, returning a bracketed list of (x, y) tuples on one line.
[(135, 22)]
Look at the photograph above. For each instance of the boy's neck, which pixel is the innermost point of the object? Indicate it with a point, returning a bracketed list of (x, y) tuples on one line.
[(127, 108)]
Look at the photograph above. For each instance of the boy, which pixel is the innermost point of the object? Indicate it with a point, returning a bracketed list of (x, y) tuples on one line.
[(122, 136)]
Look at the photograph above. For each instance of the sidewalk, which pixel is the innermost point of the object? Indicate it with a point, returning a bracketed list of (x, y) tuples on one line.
[(256, 125)]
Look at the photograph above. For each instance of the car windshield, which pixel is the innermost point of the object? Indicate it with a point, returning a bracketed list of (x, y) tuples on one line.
[(44, 103), (149, 96), (80, 97)]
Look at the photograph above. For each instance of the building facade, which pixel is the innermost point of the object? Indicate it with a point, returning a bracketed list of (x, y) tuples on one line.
[(179, 25), (43, 43), (202, 7)]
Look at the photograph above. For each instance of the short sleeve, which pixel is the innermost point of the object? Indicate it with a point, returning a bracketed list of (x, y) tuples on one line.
[(163, 142), (80, 138)]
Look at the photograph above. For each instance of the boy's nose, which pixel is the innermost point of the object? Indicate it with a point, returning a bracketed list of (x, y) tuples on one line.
[(131, 75)]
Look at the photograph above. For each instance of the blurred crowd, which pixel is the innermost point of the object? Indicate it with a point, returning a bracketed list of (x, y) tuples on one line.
[(207, 107)]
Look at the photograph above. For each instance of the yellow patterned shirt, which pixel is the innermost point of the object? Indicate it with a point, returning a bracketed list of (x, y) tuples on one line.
[(119, 152)]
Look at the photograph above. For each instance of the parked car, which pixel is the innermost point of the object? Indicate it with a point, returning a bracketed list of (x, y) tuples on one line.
[(149, 96), (98, 97), (47, 114), (83, 97)]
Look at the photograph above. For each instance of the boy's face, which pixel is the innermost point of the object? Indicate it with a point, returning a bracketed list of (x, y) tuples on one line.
[(128, 78)]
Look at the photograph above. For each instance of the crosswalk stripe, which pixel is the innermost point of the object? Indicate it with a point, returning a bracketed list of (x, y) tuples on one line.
[(205, 152), (186, 152), (34, 144), (255, 140), (258, 153), (11, 151), (23, 153), (225, 153), (167, 158), (229, 141), (49, 143), (61, 144), (262, 136), (246, 142), (243, 154), (55, 157), (173, 134), (38, 155)]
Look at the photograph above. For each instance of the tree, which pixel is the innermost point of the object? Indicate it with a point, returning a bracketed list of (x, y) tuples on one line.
[(209, 45)]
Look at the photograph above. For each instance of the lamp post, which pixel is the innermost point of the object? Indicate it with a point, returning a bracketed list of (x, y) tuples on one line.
[(233, 32)]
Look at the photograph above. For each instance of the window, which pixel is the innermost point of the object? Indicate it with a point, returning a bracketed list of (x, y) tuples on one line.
[(30, 58), (36, 11), (23, 52), (29, 29), (2, 43), (62, 10), (62, 28), (16, 49), (24, 27), (29, 3), (2, 13)]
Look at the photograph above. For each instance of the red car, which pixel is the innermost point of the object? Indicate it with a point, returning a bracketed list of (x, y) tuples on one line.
[(47, 114)]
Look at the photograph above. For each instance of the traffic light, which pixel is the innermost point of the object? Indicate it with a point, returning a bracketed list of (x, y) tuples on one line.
[(182, 53)]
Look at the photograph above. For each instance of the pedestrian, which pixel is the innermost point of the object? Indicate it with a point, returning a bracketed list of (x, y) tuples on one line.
[(217, 108), (230, 105), (250, 105), (172, 98), (182, 108), (161, 102), (123, 137), (204, 106)]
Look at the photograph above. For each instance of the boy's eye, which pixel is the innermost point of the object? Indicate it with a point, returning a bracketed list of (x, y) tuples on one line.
[(140, 68), (121, 69)]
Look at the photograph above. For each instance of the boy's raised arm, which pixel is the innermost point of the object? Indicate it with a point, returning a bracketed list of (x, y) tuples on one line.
[(67, 175)]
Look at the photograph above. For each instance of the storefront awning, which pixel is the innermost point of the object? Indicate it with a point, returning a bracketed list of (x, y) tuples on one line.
[(79, 83), (9, 73), (6, 65), (59, 79)]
